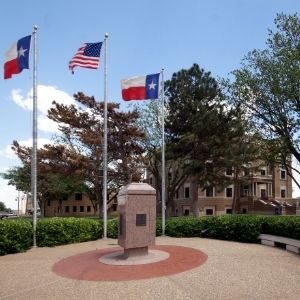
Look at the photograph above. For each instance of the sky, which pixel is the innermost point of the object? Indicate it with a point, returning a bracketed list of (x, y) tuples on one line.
[(144, 36)]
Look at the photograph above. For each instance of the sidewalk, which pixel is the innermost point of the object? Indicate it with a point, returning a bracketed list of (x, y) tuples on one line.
[(232, 271)]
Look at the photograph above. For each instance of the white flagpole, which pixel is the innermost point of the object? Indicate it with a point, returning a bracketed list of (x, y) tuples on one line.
[(163, 198), (34, 138), (105, 143)]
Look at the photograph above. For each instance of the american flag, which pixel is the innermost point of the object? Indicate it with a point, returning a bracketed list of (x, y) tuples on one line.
[(87, 56)]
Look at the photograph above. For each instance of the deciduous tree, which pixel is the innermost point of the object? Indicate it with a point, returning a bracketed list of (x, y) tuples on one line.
[(267, 87), (77, 153)]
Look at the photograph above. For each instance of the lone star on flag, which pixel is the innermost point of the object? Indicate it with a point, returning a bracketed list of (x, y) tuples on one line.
[(152, 85), (22, 51)]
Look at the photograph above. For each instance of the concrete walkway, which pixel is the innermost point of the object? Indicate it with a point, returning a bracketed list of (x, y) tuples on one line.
[(232, 271)]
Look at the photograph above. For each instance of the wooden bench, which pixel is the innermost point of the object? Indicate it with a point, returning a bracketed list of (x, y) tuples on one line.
[(274, 240)]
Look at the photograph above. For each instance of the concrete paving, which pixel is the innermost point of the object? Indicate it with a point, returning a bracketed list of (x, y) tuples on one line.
[(232, 271)]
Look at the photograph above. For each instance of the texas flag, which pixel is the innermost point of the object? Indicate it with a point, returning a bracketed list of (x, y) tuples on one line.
[(140, 87), (17, 57)]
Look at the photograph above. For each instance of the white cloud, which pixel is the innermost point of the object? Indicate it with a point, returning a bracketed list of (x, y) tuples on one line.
[(45, 96), (9, 153), (8, 194), (47, 125), (18, 99), (40, 142)]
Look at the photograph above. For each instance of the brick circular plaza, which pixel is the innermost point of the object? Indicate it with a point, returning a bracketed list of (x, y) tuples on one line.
[(86, 266)]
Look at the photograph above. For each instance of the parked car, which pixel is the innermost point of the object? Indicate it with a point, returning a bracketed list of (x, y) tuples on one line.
[(5, 214)]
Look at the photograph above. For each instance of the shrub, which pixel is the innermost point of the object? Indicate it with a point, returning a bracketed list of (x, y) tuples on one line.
[(112, 228), (234, 228), (158, 229), (184, 227), (287, 226), (239, 228), (15, 236), (59, 231)]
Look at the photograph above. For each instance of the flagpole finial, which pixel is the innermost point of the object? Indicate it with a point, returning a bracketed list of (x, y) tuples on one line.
[(34, 27), (106, 35), (162, 69)]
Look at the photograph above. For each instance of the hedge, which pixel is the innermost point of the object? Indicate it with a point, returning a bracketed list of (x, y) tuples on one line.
[(60, 231), (235, 228), (16, 235), (241, 228), (112, 228), (287, 226)]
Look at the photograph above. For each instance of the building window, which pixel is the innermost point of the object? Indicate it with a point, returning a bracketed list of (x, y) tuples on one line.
[(187, 192), (81, 208), (246, 171), (245, 191), (244, 210), (229, 192), (209, 211), (283, 174), (74, 208), (150, 181), (176, 195), (263, 172), (186, 210), (228, 211), (229, 171), (48, 202), (88, 208), (209, 191), (67, 209), (282, 193), (78, 196)]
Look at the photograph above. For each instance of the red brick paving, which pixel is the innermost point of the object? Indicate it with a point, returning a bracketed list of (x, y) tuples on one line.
[(86, 266)]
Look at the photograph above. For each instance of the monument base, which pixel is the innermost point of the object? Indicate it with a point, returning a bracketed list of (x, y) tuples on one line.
[(134, 252), (120, 258)]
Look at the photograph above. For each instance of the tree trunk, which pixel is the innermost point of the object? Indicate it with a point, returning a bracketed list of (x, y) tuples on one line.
[(195, 202), (236, 193)]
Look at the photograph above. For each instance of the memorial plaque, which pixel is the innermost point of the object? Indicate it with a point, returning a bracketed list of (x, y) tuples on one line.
[(141, 220)]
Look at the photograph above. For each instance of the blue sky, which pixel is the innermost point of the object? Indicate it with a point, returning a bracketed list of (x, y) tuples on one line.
[(143, 37)]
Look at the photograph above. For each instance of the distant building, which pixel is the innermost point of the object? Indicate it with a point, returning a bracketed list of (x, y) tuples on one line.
[(77, 204), (265, 191), (74, 205)]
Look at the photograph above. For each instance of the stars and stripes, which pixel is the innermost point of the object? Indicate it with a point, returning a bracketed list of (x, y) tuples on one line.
[(87, 56)]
